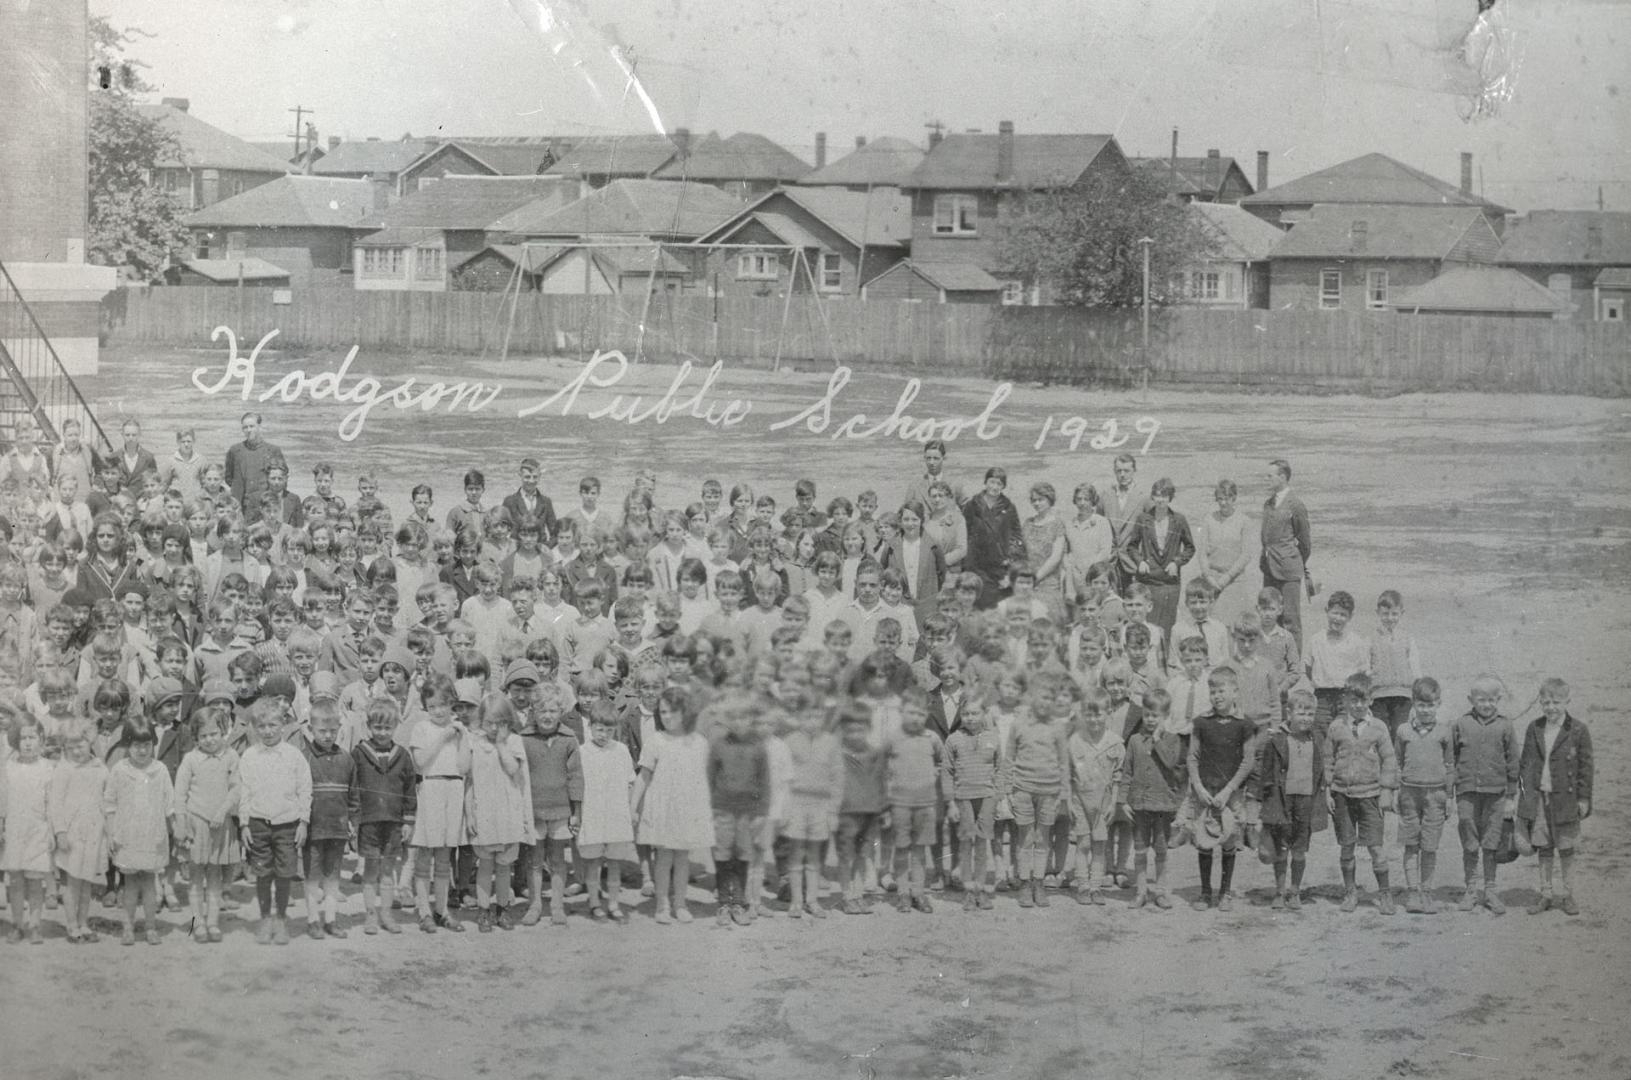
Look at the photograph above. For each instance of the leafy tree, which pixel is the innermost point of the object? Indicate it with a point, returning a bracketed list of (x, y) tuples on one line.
[(1082, 241), (133, 224)]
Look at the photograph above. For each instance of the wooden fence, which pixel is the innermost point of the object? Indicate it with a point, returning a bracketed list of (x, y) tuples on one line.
[(1301, 350)]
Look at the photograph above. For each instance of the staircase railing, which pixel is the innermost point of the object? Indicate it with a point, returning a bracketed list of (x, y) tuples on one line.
[(40, 387)]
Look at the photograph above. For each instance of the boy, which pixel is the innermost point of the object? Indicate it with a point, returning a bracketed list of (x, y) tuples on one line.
[(1362, 774), (973, 764), (274, 808), (530, 558), (1554, 784), (583, 638), (342, 646), (867, 608), (527, 503), (587, 566), (1187, 688), (1333, 656), (803, 514), (1096, 754), (1426, 788), (469, 515), (587, 517), (382, 802), (322, 475), (1485, 749), (739, 786), (913, 757), (556, 776), (864, 803), (332, 771), (1038, 756), (1393, 663), (1149, 788), (1259, 684), (1196, 619), (1279, 647), (1219, 762), (1291, 791), (1137, 607), (216, 652)]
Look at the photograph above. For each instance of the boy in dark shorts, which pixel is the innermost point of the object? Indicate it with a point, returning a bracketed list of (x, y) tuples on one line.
[(1363, 775), (274, 809), (329, 828), (862, 808), (382, 801), (1220, 760), (1291, 788)]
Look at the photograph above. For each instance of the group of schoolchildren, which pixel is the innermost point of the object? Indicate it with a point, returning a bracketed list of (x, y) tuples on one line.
[(510, 703)]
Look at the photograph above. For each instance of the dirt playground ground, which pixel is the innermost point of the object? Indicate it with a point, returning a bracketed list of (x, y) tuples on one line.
[(1505, 522)]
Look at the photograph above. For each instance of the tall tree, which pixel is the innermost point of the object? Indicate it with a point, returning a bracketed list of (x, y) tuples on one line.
[(133, 224), (1082, 241)]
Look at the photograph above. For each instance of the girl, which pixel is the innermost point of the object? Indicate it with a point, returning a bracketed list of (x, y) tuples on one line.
[(1044, 536), (107, 569), (81, 845), (206, 795), (1221, 542), (672, 802), (1088, 541), (854, 551), (740, 522), (665, 559), (816, 786), (801, 566), (550, 610), (497, 807), (441, 749), (695, 603), (110, 706), (996, 543), (138, 804), (1160, 548), (28, 836), (606, 835), (1006, 711), (720, 543)]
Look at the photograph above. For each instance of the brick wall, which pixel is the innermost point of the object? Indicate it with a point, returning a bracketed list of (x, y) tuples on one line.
[(1295, 283)]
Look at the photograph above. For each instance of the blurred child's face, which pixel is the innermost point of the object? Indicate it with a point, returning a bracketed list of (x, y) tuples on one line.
[(527, 540), (421, 502), (1246, 645), (1357, 706), (269, 730), (78, 749), (951, 678), (304, 661), (223, 625), (601, 732), (913, 718), (549, 586), (134, 606), (396, 678), (719, 548), (385, 615), (325, 730), (358, 610), (867, 588), (1093, 723), (1336, 619), (1151, 721), (315, 609), (283, 624), (1137, 607), (838, 641), (1116, 686), (1222, 695), (465, 551), (1138, 654), (968, 595), (827, 578), (172, 663), (887, 639), (1270, 614), (628, 629), (589, 607), (1554, 705), (1199, 605), (492, 727), (855, 736), (473, 493), (244, 685), (522, 604), (1388, 615), (60, 632), (141, 753), (462, 641), (368, 663), (173, 509), (766, 512), (1301, 720), (1194, 662), (786, 652), (462, 711), (381, 732)]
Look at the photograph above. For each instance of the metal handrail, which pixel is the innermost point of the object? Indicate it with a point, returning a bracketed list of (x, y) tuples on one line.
[(25, 380)]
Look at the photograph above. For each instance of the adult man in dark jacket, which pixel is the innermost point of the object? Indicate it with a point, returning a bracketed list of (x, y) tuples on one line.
[(1287, 543)]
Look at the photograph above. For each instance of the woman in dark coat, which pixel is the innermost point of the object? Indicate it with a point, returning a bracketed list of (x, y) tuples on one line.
[(106, 569), (922, 588), (995, 543), (1160, 547)]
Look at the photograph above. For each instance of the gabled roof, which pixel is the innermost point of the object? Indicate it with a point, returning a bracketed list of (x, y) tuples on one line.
[(743, 156), (634, 156), (283, 150), (878, 219), (1372, 178), (400, 236), (465, 202), (1040, 161), (378, 159), (510, 159), (634, 208), (1488, 289), (289, 202), (951, 276), (1241, 235), (235, 269), (1615, 277), (1564, 237), (1390, 232), (206, 147), (885, 161), (1196, 175)]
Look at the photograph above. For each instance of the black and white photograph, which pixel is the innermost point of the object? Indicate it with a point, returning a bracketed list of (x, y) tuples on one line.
[(929, 540)]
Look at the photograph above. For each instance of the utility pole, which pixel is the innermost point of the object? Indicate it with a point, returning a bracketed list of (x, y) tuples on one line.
[(300, 111), (937, 128), (1146, 243)]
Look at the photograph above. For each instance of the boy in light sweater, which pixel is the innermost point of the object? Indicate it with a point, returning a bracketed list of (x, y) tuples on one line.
[(1038, 779), (1486, 752), (1426, 785), (973, 766), (1362, 774)]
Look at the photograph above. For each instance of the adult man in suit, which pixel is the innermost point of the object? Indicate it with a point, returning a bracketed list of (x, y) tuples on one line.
[(1122, 508), (1287, 542), (246, 466), (134, 460), (529, 502)]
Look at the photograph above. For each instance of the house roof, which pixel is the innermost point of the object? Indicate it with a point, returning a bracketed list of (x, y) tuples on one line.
[(465, 202), (206, 147), (1196, 175), (1491, 289), (881, 218), (283, 150), (884, 161), (1241, 235), (1564, 237), (1390, 232), (399, 236), (1615, 277), (951, 276), (361, 158), (790, 231), (635, 156), (511, 159), (1040, 161), (235, 269), (290, 201), (743, 156), (633, 208), (1372, 178)]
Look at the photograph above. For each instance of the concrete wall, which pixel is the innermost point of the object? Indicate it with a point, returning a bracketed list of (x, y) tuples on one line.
[(43, 124)]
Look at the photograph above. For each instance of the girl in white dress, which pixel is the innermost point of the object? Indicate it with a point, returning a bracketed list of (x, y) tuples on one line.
[(81, 841), (606, 835), (26, 830), (138, 803), (497, 806), (207, 789), (440, 745), (672, 802)]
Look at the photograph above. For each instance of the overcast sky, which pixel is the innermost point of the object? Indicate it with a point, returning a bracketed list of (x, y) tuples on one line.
[(1312, 81)]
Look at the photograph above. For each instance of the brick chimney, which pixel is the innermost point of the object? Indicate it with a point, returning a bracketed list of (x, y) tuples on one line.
[(1005, 152), (1214, 169), (176, 103), (380, 189), (860, 141), (1594, 241), (1262, 169), (1466, 173), (821, 149), (682, 142), (935, 136)]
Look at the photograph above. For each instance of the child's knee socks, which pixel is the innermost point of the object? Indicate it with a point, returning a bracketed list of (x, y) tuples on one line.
[(1226, 876), (1204, 858), (1489, 868), (280, 893), (1469, 866), (1545, 871), (1299, 863), (263, 895), (1410, 855), (1429, 860)]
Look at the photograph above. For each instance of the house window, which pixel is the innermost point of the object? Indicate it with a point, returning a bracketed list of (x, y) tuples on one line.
[(383, 262), (1376, 290), (1613, 310), (954, 215), (1205, 285), (832, 272), (427, 263), (238, 187), (1330, 289), (1013, 293), (757, 266)]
